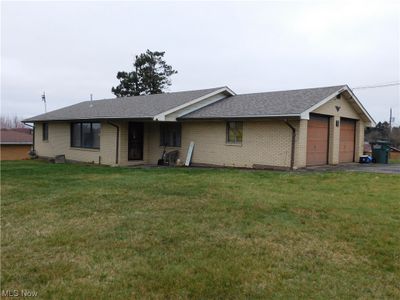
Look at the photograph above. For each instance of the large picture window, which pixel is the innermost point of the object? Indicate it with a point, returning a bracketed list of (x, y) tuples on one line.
[(85, 135), (234, 132), (170, 134)]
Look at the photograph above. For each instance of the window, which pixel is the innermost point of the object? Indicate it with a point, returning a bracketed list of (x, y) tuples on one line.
[(234, 132), (170, 134), (45, 131), (75, 134), (85, 135)]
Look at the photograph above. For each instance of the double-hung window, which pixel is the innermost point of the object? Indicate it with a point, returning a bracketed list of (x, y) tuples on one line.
[(234, 132), (85, 135), (170, 134)]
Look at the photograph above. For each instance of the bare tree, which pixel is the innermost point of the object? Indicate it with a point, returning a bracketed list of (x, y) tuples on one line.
[(7, 122)]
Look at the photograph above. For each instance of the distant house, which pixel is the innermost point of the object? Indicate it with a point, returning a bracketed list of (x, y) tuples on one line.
[(367, 148), (288, 129), (15, 143), (394, 153)]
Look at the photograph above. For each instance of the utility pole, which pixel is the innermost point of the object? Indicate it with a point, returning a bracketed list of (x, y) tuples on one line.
[(390, 120), (45, 103)]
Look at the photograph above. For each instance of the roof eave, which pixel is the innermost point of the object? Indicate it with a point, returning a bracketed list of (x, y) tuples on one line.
[(16, 143), (148, 118), (284, 116), (371, 120)]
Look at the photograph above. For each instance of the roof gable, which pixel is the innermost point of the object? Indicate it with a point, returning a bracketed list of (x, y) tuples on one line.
[(195, 104), (349, 102)]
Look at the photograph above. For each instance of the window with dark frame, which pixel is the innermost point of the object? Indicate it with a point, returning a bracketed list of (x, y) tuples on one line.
[(170, 134), (85, 135), (234, 132), (45, 132)]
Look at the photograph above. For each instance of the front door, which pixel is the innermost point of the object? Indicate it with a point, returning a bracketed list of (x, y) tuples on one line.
[(135, 141)]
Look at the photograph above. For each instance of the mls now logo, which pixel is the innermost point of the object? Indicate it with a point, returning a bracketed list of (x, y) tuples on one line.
[(18, 293)]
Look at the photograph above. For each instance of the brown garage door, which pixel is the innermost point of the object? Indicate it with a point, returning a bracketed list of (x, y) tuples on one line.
[(347, 140), (317, 140)]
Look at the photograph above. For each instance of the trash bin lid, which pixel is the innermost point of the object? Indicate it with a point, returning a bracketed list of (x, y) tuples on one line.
[(382, 142)]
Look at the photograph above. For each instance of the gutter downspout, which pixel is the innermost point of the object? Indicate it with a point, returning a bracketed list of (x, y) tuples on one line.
[(117, 142), (33, 133), (293, 143)]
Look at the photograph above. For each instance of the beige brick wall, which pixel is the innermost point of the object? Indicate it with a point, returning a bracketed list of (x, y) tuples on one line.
[(346, 111), (334, 136), (59, 143), (359, 146), (264, 143), (108, 143), (301, 145)]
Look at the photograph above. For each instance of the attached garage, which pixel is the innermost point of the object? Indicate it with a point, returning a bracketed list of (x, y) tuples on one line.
[(317, 140), (347, 140)]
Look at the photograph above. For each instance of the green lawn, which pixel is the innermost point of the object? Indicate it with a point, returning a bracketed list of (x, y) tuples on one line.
[(88, 232)]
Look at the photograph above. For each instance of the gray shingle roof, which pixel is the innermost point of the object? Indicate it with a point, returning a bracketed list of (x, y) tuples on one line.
[(127, 107), (279, 103)]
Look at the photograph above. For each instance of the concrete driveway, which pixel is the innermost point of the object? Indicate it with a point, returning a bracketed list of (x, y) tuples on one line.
[(355, 167)]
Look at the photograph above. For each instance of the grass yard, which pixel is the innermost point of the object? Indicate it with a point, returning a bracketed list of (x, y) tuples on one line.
[(394, 161), (90, 232)]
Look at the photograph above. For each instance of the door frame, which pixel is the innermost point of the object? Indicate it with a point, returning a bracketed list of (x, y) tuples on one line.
[(130, 142)]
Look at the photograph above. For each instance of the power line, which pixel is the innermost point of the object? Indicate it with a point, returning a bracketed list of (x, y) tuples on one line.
[(376, 86)]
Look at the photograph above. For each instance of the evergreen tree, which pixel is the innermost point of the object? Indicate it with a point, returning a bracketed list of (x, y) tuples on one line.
[(151, 75)]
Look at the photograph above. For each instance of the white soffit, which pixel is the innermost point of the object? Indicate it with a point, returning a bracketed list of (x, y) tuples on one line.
[(186, 108)]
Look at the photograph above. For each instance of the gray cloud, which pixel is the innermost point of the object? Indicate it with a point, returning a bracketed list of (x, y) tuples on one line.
[(73, 49)]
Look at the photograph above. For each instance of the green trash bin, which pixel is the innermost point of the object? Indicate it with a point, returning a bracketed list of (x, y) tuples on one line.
[(380, 152)]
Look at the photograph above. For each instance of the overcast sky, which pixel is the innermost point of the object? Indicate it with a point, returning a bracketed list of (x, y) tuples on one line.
[(73, 49)]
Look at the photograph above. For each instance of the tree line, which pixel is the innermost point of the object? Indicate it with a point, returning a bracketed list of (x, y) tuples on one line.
[(7, 122), (382, 131)]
